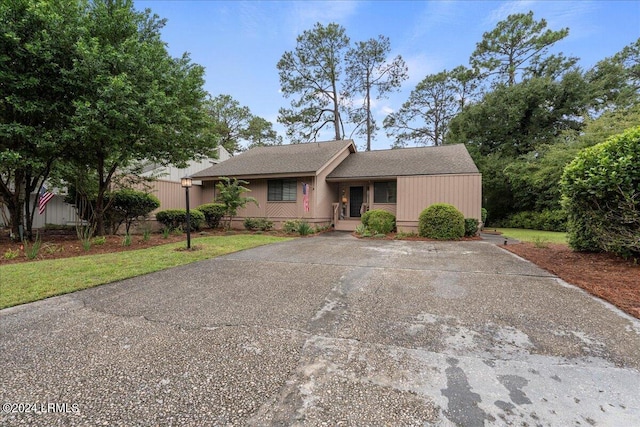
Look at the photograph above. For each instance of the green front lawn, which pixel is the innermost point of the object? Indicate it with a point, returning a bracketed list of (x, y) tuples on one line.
[(32, 281), (533, 236)]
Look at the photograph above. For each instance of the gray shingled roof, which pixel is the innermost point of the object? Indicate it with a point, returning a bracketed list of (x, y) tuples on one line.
[(446, 159), (278, 159)]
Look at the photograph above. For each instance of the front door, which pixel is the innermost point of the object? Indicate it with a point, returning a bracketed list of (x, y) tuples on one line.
[(356, 197)]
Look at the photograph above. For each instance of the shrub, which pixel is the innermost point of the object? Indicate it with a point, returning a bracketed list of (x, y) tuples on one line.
[(360, 229), (441, 221), (379, 221), (174, 219), (291, 225), (483, 216), (304, 228), (470, 227), (213, 213), (127, 206), (547, 220), (262, 224), (601, 194)]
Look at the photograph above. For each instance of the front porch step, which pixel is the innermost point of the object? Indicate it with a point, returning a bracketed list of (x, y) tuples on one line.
[(347, 224)]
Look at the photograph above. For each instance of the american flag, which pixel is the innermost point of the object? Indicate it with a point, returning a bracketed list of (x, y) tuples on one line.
[(305, 196), (43, 199)]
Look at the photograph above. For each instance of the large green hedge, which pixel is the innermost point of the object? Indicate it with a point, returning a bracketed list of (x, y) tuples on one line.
[(601, 194), (213, 213), (379, 221), (546, 220), (441, 221), (177, 218), (127, 206)]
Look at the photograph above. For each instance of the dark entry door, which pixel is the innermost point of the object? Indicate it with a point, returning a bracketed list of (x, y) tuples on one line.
[(356, 197)]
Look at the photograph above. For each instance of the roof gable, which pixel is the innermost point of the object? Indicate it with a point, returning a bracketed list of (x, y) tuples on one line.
[(292, 159), (446, 159)]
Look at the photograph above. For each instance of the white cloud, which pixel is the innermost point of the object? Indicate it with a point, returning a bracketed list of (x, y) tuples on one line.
[(386, 110), (420, 66)]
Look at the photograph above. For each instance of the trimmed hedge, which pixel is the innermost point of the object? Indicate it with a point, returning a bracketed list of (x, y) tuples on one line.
[(177, 218), (441, 221), (127, 206), (601, 194), (213, 213), (470, 227), (379, 221), (547, 220), (255, 224)]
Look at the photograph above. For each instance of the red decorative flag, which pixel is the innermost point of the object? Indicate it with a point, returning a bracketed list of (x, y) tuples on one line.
[(44, 198)]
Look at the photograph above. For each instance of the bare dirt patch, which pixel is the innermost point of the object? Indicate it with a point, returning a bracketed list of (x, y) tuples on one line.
[(604, 275)]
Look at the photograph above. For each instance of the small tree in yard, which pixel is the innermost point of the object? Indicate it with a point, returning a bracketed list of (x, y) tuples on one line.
[(230, 191)]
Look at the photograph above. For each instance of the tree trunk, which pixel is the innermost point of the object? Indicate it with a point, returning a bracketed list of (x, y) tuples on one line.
[(368, 85), (336, 111), (15, 205)]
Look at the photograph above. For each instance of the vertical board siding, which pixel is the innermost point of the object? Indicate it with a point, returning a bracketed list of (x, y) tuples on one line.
[(258, 191), (389, 207), (416, 193)]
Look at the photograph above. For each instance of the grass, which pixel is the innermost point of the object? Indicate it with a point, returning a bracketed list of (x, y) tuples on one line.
[(534, 236), (32, 281)]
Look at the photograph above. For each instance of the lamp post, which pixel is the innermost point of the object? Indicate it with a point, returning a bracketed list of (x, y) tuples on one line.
[(186, 184)]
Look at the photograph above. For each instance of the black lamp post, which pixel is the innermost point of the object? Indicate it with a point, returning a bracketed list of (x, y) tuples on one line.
[(186, 184)]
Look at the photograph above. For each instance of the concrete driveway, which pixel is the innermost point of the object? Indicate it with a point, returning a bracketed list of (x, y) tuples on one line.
[(328, 330)]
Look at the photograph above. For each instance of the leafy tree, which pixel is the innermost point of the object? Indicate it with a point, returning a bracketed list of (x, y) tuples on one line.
[(234, 124), (230, 194), (36, 51), (368, 70), (312, 72), (517, 44), (514, 120), (424, 118), (230, 121), (535, 177), (132, 100), (616, 80), (260, 132)]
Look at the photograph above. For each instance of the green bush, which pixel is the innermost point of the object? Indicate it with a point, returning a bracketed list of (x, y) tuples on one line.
[(547, 220), (379, 221), (441, 221), (127, 206), (262, 224), (483, 215), (470, 227), (213, 213), (304, 228), (174, 219), (291, 225), (601, 194)]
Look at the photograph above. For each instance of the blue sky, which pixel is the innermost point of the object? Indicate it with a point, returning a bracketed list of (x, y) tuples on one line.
[(240, 42)]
